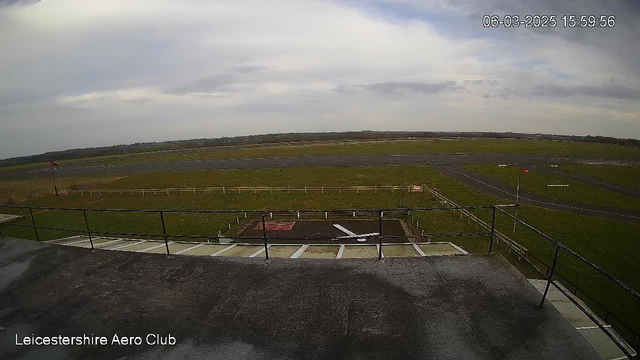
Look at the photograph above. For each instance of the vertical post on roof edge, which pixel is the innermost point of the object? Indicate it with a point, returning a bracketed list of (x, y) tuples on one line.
[(264, 236)]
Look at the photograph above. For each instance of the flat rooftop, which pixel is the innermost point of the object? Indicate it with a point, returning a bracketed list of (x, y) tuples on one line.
[(441, 307)]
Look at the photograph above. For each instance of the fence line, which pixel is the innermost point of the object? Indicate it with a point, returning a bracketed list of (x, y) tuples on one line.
[(379, 215), (243, 189), (520, 250), (523, 254)]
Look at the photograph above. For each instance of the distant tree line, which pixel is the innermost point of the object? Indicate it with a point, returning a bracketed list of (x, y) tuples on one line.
[(294, 138)]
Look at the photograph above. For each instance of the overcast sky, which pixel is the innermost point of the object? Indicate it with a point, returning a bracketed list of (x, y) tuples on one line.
[(80, 73)]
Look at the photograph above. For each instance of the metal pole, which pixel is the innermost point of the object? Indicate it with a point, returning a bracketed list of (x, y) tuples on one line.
[(550, 277), (55, 187), (164, 232), (86, 223), (264, 236), (517, 199), (380, 235), (33, 222), (493, 230)]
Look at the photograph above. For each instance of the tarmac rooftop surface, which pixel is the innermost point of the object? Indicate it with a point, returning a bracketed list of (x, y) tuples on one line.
[(439, 307)]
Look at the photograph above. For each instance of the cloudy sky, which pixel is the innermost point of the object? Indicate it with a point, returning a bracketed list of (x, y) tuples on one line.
[(78, 73)]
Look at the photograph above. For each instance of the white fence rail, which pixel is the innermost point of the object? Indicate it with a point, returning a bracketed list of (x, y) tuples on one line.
[(245, 189), (519, 249)]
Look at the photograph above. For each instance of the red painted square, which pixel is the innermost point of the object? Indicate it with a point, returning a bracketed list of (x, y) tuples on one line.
[(275, 225)]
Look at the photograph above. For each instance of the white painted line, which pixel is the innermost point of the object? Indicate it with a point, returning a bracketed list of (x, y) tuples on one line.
[(259, 251), (67, 238), (299, 252), (344, 230), (458, 248), (592, 327), (620, 358), (379, 252), (76, 242), (106, 243), (419, 250), (188, 249), (340, 252), (223, 250), (349, 232), (357, 235), (155, 247), (124, 246)]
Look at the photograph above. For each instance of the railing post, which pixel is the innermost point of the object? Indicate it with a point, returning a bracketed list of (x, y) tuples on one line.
[(380, 235), (86, 223), (164, 232), (550, 276), (33, 222), (264, 236), (493, 229)]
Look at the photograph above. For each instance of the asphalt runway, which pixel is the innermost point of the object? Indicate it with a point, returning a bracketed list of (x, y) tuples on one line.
[(440, 161), (295, 162), (603, 184), (496, 188)]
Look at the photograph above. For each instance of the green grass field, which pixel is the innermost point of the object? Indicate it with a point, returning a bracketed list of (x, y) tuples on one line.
[(610, 244), (623, 175), (441, 146), (536, 182), (434, 146)]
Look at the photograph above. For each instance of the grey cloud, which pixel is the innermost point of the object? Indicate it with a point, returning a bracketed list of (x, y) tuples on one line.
[(418, 87), (18, 2), (611, 91), (391, 87), (217, 83), (246, 69), (490, 82)]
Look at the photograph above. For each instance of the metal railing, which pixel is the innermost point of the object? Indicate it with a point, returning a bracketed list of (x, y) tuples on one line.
[(374, 213), (378, 213), (242, 189), (551, 272)]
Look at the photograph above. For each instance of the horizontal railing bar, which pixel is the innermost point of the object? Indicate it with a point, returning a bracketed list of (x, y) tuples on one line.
[(580, 257), (258, 212)]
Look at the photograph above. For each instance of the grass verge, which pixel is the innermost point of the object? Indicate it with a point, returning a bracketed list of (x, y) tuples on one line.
[(623, 175), (536, 182), (610, 244)]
